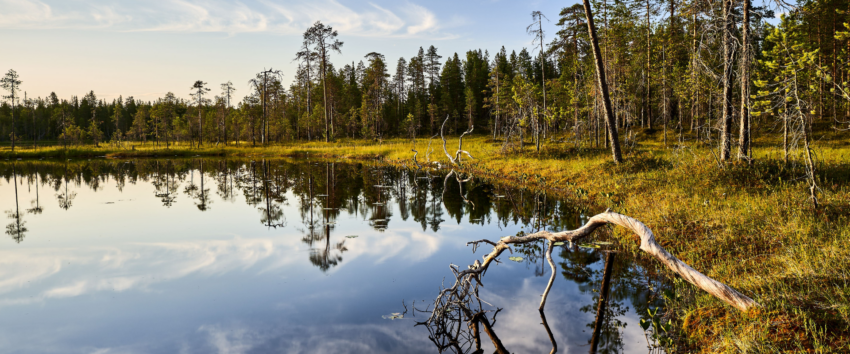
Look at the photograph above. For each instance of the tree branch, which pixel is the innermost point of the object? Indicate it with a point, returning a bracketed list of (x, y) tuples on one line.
[(648, 244)]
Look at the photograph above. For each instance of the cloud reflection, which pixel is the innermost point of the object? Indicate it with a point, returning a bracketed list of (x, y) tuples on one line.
[(238, 338), (70, 272)]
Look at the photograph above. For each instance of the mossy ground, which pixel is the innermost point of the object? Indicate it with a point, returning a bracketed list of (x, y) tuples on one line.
[(751, 226)]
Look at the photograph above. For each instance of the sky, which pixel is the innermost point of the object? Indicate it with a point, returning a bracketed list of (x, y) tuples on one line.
[(148, 48)]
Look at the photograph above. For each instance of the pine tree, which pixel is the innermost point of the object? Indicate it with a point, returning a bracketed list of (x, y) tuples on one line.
[(324, 40), (199, 90), (786, 66), (11, 82), (374, 82)]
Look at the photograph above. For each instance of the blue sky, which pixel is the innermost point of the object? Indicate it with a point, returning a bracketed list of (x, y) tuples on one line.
[(147, 48)]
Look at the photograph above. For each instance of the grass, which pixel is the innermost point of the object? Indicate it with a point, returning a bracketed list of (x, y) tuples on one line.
[(751, 226), (349, 149)]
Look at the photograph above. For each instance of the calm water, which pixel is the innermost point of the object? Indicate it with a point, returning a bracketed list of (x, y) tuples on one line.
[(240, 256)]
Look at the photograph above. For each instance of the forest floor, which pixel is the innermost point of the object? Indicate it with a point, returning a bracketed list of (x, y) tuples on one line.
[(751, 226)]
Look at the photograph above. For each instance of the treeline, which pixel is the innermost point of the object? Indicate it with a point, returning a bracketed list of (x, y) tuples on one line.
[(322, 192), (687, 67)]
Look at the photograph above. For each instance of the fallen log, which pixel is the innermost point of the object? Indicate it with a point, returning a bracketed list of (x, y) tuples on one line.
[(648, 244)]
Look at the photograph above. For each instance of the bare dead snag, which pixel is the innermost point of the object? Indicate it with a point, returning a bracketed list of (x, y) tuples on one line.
[(429, 150), (456, 159), (648, 244)]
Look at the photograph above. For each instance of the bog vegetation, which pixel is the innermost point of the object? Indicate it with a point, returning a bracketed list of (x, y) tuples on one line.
[(732, 124)]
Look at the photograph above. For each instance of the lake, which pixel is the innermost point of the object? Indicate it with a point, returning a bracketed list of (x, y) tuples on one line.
[(296, 256)]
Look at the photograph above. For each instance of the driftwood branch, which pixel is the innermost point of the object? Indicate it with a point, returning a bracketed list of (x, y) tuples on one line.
[(648, 244), (456, 158)]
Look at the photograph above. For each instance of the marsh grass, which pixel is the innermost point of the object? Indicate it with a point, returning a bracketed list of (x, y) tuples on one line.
[(751, 226)]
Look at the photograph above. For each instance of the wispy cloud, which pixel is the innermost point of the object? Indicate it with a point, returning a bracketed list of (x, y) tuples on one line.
[(402, 19), (61, 273)]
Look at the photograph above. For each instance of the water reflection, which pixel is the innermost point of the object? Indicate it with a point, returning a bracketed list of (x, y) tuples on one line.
[(395, 219), (460, 314), (17, 228), (164, 183), (35, 203)]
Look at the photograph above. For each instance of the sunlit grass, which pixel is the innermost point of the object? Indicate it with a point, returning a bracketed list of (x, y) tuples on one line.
[(751, 226)]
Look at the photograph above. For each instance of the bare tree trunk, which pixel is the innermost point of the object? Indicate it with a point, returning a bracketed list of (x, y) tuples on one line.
[(498, 108), (325, 95), (726, 132), (543, 76), (648, 88), (596, 117), (811, 166), (575, 85), (13, 122), (694, 77), (744, 139), (785, 133), (603, 85), (664, 97), (200, 126)]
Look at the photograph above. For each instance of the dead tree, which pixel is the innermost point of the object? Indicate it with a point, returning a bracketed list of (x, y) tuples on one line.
[(456, 159), (744, 138), (726, 128), (602, 83), (464, 278)]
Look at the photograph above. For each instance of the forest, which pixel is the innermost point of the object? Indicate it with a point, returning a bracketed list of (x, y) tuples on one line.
[(694, 70)]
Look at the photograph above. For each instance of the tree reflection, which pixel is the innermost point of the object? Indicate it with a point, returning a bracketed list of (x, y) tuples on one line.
[(191, 188), (248, 184), (459, 314), (36, 205), (225, 182), (272, 214), (202, 193), (165, 186), (66, 199), (324, 192), (458, 318), (435, 210), (606, 327), (17, 228), (328, 254)]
